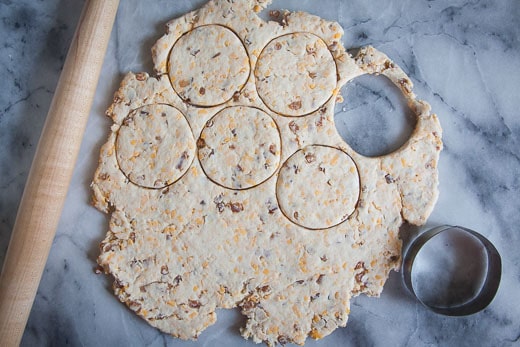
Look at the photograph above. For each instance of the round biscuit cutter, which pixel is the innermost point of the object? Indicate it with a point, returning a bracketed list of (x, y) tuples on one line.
[(452, 270)]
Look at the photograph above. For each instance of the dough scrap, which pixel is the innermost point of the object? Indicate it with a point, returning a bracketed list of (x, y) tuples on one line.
[(197, 243)]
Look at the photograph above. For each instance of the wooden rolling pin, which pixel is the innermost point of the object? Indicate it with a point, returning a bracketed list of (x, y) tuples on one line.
[(51, 171)]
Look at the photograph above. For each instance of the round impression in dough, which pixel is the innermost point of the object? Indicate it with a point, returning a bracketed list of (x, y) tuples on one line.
[(208, 65), (155, 146), (318, 187), (239, 147), (295, 74)]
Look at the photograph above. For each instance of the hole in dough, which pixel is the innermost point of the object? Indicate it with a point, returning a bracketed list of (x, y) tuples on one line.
[(374, 119)]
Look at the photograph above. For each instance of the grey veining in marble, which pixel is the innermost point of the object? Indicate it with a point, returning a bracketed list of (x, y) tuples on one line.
[(464, 59)]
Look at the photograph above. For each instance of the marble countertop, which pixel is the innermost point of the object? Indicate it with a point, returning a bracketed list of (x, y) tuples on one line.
[(464, 59)]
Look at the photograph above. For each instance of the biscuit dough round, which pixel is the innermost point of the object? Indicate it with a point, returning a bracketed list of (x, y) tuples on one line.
[(155, 146), (295, 74), (180, 253), (208, 65), (318, 187), (239, 147)]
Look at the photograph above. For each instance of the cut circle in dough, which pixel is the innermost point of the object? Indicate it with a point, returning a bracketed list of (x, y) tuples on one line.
[(295, 74), (318, 187), (207, 65), (239, 147), (155, 146)]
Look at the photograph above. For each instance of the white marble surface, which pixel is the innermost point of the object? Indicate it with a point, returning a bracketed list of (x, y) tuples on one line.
[(464, 58)]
